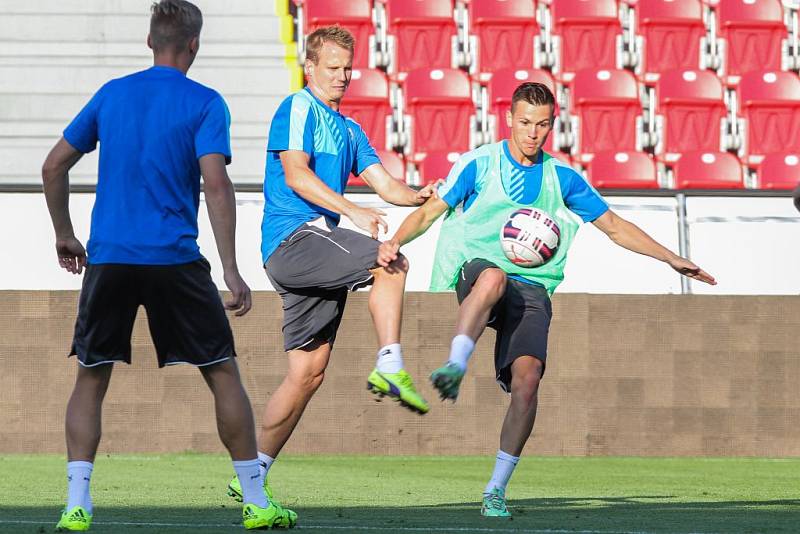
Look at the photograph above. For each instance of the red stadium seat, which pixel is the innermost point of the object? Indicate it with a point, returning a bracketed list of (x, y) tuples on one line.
[(622, 170), (354, 15), (672, 31), (753, 31), (708, 170), (691, 109), (607, 108), (501, 87), (779, 171), (367, 102), (422, 32), (504, 31), (770, 104), (391, 161), (588, 31), (439, 104), (434, 166)]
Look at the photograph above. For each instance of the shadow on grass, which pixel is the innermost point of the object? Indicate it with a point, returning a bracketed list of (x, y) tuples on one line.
[(591, 514)]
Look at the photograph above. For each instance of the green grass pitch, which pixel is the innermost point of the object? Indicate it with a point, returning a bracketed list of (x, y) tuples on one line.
[(179, 493)]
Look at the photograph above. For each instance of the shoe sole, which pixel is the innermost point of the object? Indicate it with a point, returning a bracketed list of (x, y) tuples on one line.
[(380, 394), (235, 495), (442, 383)]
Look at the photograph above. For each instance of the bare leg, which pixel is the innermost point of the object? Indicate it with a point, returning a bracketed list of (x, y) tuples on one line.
[(475, 310), (234, 413), (386, 300), (84, 412), (526, 372), (283, 411)]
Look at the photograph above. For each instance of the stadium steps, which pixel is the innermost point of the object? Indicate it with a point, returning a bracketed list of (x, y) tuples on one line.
[(53, 57)]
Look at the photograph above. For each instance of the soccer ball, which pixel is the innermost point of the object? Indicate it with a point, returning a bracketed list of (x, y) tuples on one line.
[(529, 237)]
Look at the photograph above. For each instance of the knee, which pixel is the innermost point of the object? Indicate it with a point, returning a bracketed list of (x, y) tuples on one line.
[(309, 380), (492, 282), (525, 388), (399, 267)]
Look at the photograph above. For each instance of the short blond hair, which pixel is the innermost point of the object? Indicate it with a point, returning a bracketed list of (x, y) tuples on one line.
[(334, 34)]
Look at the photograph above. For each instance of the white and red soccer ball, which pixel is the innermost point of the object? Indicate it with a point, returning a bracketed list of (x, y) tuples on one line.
[(529, 237)]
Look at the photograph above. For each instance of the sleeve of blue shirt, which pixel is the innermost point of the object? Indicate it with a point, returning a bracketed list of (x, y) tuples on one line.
[(292, 127), (365, 154), (460, 183), (213, 136), (580, 197), (82, 131)]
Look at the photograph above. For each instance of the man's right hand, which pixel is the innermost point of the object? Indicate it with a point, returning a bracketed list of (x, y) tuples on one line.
[(387, 252), (240, 300), (368, 219)]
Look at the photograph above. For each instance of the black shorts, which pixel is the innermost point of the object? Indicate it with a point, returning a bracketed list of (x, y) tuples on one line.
[(312, 270), (521, 318), (184, 311)]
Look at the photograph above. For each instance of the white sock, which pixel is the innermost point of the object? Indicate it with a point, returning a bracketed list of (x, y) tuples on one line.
[(503, 468), (390, 359), (461, 349), (79, 474), (265, 461), (252, 481)]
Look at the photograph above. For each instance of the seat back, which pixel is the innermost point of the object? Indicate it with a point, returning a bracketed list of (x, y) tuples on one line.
[(440, 104), (672, 31), (708, 170), (770, 103), (753, 31), (505, 30), (588, 31), (622, 170), (367, 103), (423, 32), (353, 15)]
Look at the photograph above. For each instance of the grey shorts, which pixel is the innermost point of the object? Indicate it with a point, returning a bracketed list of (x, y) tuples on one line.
[(312, 270), (521, 317)]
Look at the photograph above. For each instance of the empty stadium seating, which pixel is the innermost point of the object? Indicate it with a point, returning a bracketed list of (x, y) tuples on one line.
[(355, 15), (501, 87), (779, 171), (440, 111), (367, 102), (587, 33), (753, 31), (708, 170), (606, 106), (770, 104), (503, 32), (671, 33), (421, 33), (691, 109), (434, 166), (391, 161), (622, 170)]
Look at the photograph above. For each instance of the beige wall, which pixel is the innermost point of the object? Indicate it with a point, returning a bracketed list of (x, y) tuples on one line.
[(627, 375)]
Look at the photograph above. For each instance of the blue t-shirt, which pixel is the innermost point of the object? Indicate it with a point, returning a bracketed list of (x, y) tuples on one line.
[(521, 183), (153, 126), (336, 146)]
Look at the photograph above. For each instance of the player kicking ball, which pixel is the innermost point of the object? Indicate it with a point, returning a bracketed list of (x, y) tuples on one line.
[(512, 213)]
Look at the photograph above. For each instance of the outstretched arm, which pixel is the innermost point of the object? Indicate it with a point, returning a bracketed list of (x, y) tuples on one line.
[(55, 182), (221, 202), (394, 191), (626, 234), (412, 227)]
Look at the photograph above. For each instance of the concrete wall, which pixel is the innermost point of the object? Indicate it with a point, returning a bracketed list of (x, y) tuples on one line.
[(55, 55), (627, 375)]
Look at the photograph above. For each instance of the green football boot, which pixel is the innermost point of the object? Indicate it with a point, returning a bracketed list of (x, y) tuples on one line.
[(290, 517), (75, 520), (399, 387), (494, 504), (447, 379), (271, 517)]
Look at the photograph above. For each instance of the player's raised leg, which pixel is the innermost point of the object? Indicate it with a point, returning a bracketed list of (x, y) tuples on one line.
[(480, 287), (389, 377)]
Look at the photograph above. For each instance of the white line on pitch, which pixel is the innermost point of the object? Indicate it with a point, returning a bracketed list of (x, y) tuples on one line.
[(352, 527)]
